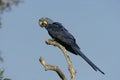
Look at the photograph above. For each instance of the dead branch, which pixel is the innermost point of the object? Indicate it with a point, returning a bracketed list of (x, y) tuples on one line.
[(70, 68), (53, 68)]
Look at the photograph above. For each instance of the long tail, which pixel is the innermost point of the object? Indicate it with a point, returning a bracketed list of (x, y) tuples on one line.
[(88, 61)]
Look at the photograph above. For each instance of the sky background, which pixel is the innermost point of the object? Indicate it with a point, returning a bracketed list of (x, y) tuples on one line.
[(94, 23)]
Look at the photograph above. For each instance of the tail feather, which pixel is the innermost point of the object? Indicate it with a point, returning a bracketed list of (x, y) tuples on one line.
[(88, 61)]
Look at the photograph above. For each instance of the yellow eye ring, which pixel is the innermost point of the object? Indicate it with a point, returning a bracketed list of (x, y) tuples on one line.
[(43, 23)]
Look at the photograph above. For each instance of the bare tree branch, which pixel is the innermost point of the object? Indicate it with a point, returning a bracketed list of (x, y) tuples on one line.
[(53, 68), (70, 68)]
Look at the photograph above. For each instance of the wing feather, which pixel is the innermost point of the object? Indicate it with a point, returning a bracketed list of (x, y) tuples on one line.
[(58, 32)]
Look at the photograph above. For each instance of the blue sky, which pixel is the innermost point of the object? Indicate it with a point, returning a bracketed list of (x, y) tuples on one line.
[(94, 23)]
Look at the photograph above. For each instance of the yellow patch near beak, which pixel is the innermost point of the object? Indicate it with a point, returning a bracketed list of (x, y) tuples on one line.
[(43, 23)]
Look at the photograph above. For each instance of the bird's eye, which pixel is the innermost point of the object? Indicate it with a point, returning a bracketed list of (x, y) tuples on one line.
[(43, 23)]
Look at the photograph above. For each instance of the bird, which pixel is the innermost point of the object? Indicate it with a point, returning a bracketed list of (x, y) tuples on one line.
[(60, 34)]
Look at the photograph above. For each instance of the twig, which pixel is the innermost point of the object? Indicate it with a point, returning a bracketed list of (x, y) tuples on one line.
[(53, 68), (70, 68)]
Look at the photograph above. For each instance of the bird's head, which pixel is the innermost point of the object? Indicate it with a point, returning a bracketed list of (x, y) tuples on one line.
[(44, 22)]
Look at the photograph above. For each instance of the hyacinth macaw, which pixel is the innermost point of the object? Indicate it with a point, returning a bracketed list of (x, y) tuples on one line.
[(57, 31)]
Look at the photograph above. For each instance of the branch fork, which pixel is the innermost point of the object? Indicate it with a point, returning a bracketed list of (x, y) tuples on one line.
[(56, 68)]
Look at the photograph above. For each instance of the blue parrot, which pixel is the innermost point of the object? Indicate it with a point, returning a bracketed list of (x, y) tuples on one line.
[(62, 36)]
